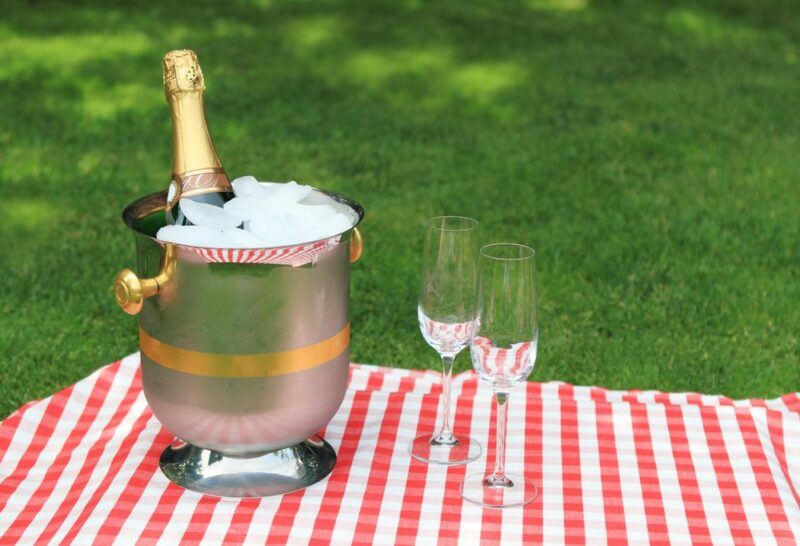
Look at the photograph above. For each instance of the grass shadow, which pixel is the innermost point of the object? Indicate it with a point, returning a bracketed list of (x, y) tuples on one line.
[(642, 147)]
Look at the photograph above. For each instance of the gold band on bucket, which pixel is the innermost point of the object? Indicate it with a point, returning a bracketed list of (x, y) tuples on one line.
[(253, 365)]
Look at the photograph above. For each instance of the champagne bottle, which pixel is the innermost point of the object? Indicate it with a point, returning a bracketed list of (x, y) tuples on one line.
[(197, 173)]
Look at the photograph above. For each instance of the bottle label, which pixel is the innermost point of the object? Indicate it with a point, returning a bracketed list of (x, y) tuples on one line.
[(202, 181)]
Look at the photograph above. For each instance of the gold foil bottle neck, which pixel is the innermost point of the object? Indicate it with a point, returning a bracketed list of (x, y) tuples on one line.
[(196, 168), (181, 71)]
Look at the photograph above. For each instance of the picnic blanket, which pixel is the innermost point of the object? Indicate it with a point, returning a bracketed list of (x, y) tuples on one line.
[(613, 467)]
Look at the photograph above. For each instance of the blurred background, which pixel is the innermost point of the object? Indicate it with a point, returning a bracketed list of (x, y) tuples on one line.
[(647, 149)]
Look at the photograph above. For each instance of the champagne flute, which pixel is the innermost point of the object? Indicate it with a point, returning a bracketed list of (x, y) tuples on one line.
[(446, 310), (503, 350)]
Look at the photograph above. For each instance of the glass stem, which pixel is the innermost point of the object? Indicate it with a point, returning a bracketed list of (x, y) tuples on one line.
[(445, 435), (498, 477)]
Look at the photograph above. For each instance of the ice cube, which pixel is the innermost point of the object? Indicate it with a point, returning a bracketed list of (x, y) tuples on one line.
[(270, 189), (246, 207), (208, 237), (276, 206), (310, 214), (287, 194), (239, 238), (283, 230), (271, 214), (333, 225), (298, 224), (294, 192), (190, 235), (205, 215), (248, 186)]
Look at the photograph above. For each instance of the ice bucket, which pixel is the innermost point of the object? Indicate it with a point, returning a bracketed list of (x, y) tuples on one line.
[(244, 353)]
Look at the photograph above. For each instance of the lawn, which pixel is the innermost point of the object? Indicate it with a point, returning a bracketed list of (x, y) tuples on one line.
[(648, 150)]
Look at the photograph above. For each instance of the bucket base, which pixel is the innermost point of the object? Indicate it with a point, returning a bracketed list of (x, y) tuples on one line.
[(258, 475)]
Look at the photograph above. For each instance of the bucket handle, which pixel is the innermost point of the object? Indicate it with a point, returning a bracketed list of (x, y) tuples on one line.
[(356, 246), (130, 291)]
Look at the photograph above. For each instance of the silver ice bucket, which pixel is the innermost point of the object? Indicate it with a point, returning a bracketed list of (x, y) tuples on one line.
[(244, 353)]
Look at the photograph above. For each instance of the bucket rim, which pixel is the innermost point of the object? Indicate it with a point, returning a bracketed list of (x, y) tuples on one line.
[(144, 206)]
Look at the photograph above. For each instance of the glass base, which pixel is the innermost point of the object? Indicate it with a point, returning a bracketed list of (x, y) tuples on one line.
[(257, 475), (458, 451), (517, 492)]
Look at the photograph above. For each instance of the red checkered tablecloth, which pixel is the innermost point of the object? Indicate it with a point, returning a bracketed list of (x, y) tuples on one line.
[(614, 467)]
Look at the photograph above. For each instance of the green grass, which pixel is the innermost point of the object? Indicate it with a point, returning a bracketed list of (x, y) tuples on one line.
[(648, 150)]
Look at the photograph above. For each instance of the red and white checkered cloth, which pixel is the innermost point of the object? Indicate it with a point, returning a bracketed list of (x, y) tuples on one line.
[(614, 467)]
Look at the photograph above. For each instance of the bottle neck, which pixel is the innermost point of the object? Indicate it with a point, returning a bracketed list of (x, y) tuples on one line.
[(196, 168), (193, 148)]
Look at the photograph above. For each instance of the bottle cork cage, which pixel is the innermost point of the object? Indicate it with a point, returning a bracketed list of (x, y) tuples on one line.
[(146, 216)]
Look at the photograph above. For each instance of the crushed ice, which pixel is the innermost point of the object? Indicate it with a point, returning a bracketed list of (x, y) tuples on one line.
[(263, 214)]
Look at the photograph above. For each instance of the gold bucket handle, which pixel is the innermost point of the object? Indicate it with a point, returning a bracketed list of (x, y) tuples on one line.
[(130, 291), (356, 246)]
